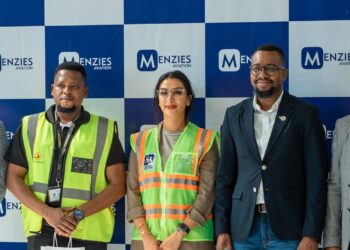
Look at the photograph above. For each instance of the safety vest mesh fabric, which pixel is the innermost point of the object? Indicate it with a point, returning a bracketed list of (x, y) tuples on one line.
[(92, 143), (168, 192)]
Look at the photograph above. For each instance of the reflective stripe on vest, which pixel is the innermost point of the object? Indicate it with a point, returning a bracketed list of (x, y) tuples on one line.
[(168, 194), (91, 143)]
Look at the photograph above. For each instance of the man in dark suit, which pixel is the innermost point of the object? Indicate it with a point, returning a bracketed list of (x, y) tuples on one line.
[(271, 178)]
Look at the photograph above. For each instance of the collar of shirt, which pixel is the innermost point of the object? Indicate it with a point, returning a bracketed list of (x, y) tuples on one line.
[(273, 108)]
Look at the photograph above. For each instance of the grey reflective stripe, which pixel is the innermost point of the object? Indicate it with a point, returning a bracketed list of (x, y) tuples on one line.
[(170, 181), (39, 187), (31, 130), (66, 193), (76, 194), (154, 211), (100, 142), (201, 143), (167, 211), (138, 144), (149, 180), (174, 211), (182, 181)]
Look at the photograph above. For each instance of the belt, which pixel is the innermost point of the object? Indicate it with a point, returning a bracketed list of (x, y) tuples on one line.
[(261, 208)]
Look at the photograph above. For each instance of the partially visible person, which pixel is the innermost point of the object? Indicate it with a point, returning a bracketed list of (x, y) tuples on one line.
[(3, 164), (271, 178), (336, 233), (170, 187), (66, 166)]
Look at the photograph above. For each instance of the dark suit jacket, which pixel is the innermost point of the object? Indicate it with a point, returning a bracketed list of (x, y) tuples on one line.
[(294, 180)]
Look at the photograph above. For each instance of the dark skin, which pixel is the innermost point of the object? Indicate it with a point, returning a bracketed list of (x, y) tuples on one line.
[(68, 91)]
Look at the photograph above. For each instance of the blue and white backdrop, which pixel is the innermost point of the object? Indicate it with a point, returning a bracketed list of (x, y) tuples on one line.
[(126, 45)]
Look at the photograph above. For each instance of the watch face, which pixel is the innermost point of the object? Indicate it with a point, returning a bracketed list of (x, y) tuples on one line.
[(78, 214)]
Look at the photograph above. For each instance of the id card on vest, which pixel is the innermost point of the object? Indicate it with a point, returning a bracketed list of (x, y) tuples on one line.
[(54, 194)]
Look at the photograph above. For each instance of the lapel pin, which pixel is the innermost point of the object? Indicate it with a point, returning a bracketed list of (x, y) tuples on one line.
[(282, 118)]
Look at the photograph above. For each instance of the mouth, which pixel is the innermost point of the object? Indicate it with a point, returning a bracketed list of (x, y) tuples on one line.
[(263, 82), (170, 106)]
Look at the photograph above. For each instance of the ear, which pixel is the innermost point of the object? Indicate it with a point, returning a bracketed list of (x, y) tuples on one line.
[(189, 99), (52, 89), (285, 74), (86, 90)]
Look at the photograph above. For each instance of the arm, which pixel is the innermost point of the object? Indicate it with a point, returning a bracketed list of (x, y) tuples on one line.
[(54, 216), (332, 230), (3, 164), (135, 211), (225, 179), (316, 169), (202, 206)]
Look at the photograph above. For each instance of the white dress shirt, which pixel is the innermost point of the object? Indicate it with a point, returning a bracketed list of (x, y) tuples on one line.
[(263, 124)]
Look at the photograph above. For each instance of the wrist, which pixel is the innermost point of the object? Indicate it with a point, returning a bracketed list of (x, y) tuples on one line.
[(78, 214)]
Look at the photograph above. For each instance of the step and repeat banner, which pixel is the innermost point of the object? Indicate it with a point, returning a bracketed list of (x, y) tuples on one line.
[(126, 45)]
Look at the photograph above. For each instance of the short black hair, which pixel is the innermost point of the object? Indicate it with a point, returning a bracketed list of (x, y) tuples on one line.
[(72, 66), (177, 74), (271, 47)]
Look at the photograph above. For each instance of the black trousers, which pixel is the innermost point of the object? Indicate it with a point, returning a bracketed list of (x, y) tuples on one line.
[(45, 239)]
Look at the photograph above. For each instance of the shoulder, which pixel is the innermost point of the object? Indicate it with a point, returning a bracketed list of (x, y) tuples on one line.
[(343, 122), (240, 107), (301, 105)]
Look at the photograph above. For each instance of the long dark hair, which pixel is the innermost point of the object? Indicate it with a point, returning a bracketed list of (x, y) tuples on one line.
[(177, 74)]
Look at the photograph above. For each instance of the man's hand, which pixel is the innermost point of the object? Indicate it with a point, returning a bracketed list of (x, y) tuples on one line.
[(224, 241), (62, 220), (308, 243)]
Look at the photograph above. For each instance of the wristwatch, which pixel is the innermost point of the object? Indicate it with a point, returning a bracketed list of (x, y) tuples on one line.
[(183, 227), (78, 214)]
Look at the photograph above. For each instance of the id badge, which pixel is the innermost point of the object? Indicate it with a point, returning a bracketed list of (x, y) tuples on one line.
[(54, 194)]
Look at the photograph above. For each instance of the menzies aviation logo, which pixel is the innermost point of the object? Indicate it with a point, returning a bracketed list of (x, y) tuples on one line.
[(230, 60), (97, 63), (18, 63), (6, 206), (149, 60), (315, 57), (3, 208)]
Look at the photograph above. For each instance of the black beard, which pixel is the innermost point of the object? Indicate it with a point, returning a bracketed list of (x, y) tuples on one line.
[(265, 93), (66, 110)]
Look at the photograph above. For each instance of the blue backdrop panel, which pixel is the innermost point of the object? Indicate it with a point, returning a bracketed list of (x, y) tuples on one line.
[(163, 11), (228, 53), (301, 10), (21, 13), (98, 48)]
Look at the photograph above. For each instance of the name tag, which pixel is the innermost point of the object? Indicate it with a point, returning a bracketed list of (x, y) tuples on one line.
[(54, 194)]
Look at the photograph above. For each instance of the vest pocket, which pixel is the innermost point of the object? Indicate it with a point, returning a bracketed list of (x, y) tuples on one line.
[(184, 163)]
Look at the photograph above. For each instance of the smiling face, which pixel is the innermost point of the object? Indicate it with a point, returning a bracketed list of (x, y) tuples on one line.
[(68, 91), (173, 98), (268, 85)]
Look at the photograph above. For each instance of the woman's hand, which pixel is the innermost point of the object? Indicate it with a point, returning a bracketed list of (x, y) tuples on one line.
[(150, 243), (173, 242)]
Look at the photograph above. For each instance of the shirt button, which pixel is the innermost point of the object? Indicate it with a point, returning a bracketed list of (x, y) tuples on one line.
[(254, 189), (264, 167)]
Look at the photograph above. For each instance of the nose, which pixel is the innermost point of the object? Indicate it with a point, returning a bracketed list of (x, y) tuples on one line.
[(170, 95), (263, 71), (66, 89)]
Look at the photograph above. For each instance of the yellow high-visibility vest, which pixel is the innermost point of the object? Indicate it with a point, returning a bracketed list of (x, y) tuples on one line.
[(91, 142)]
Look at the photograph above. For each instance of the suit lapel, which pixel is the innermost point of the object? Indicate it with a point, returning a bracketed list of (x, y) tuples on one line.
[(247, 126), (282, 119)]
